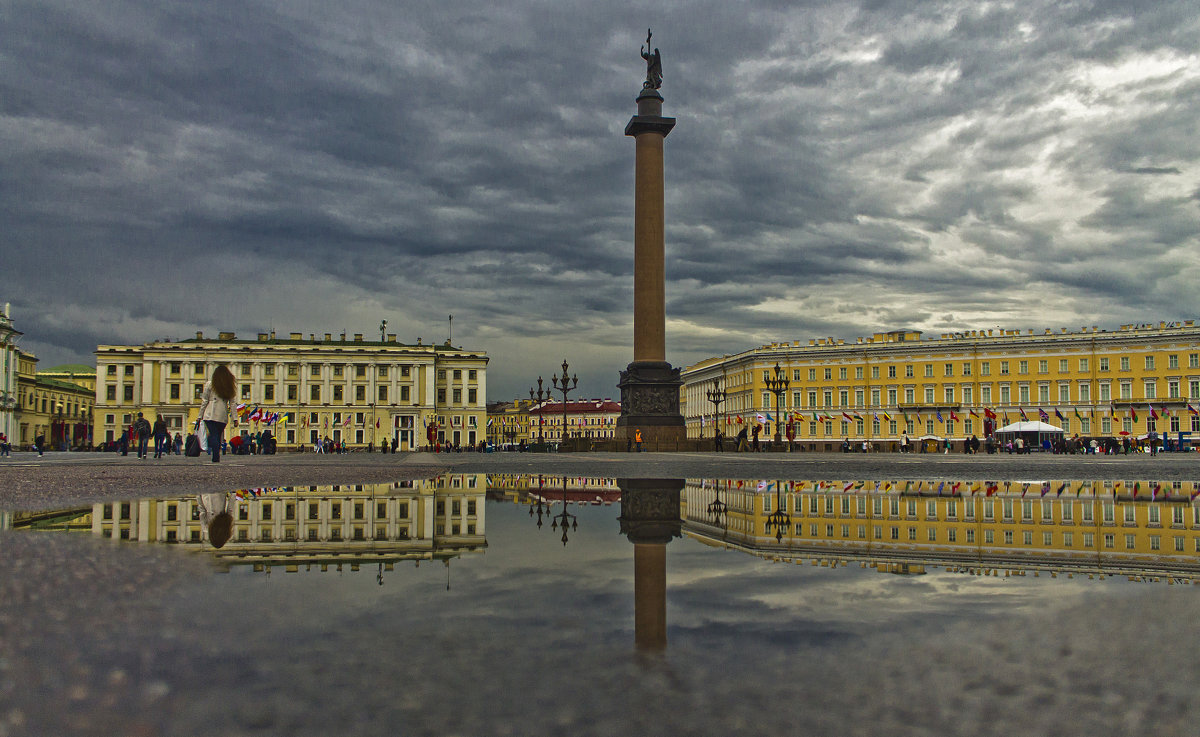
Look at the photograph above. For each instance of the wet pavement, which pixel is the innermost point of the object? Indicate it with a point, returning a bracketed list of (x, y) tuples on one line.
[(501, 628)]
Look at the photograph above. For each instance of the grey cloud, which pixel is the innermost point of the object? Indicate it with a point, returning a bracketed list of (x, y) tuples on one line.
[(470, 159)]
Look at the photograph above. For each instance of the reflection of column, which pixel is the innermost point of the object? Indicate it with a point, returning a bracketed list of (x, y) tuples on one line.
[(650, 595), (650, 519)]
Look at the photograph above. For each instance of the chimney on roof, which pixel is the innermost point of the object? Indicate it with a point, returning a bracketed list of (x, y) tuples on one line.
[(358, 337), (199, 335)]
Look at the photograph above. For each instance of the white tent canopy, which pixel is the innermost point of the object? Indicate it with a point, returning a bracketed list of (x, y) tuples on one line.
[(1030, 426)]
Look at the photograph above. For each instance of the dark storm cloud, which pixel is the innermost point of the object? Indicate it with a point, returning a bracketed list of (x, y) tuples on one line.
[(837, 168)]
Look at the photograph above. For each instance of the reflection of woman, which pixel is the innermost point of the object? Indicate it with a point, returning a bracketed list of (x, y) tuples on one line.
[(216, 514), (216, 410)]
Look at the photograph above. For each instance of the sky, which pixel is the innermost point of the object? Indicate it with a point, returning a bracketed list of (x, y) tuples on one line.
[(836, 169)]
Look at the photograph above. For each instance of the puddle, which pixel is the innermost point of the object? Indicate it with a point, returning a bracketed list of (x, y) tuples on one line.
[(493, 586)]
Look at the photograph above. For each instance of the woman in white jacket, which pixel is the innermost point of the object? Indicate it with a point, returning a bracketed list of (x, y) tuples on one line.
[(216, 410)]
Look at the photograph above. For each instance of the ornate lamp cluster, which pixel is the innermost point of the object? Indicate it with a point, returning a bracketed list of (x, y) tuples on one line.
[(778, 385)]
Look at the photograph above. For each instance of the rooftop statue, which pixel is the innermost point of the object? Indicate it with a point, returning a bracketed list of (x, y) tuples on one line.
[(653, 65)]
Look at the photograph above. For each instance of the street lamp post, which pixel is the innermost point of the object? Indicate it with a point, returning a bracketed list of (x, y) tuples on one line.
[(564, 385), (778, 385), (716, 395), (540, 397)]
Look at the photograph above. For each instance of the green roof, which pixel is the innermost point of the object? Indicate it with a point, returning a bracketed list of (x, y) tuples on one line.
[(69, 368)]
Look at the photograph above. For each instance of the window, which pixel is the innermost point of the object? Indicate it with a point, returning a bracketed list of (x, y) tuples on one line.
[(1124, 363), (949, 394), (383, 394), (1062, 366), (812, 374), (360, 371), (269, 393), (875, 372), (291, 392), (949, 369), (337, 370), (472, 396), (314, 370), (338, 392), (966, 370), (110, 393), (1083, 366), (1004, 368), (858, 372), (1149, 363), (908, 371), (128, 394), (929, 369), (1085, 392), (828, 374), (1043, 366), (985, 368), (314, 392), (891, 372), (1022, 367)]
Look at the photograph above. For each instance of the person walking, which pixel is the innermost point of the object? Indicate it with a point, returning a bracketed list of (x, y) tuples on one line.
[(637, 439), (39, 443), (216, 408), (4, 445), (142, 429), (162, 437)]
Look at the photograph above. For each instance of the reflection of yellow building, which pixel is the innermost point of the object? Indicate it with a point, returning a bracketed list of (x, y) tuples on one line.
[(880, 387), (351, 390), (405, 520), (1076, 526)]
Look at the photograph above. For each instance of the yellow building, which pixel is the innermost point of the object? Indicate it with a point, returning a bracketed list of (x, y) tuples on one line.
[(56, 404), (508, 422), (351, 390), (1137, 380), (1105, 527)]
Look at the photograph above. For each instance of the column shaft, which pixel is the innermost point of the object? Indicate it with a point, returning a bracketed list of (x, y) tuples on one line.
[(649, 297)]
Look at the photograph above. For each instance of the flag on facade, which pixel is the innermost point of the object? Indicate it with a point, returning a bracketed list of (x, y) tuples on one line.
[(1077, 415), (1058, 414), (953, 417), (973, 413), (887, 417), (1153, 414), (1192, 409), (1023, 415), (1042, 415), (939, 415), (1133, 413)]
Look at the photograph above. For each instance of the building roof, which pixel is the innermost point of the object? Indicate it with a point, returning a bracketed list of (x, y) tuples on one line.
[(586, 406), (70, 368)]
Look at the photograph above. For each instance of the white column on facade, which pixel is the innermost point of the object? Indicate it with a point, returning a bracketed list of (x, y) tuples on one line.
[(146, 380)]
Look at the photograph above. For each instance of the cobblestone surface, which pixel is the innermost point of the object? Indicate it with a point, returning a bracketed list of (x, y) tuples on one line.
[(30, 483)]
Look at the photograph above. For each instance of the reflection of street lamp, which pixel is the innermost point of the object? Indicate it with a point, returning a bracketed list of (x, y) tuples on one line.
[(777, 385), (716, 395), (540, 397), (716, 508), (564, 385), (779, 519), (564, 517)]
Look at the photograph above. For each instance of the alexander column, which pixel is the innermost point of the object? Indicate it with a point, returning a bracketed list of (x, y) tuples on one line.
[(650, 386)]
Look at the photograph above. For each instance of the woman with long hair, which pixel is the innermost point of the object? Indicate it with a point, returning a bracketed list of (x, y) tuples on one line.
[(216, 410)]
